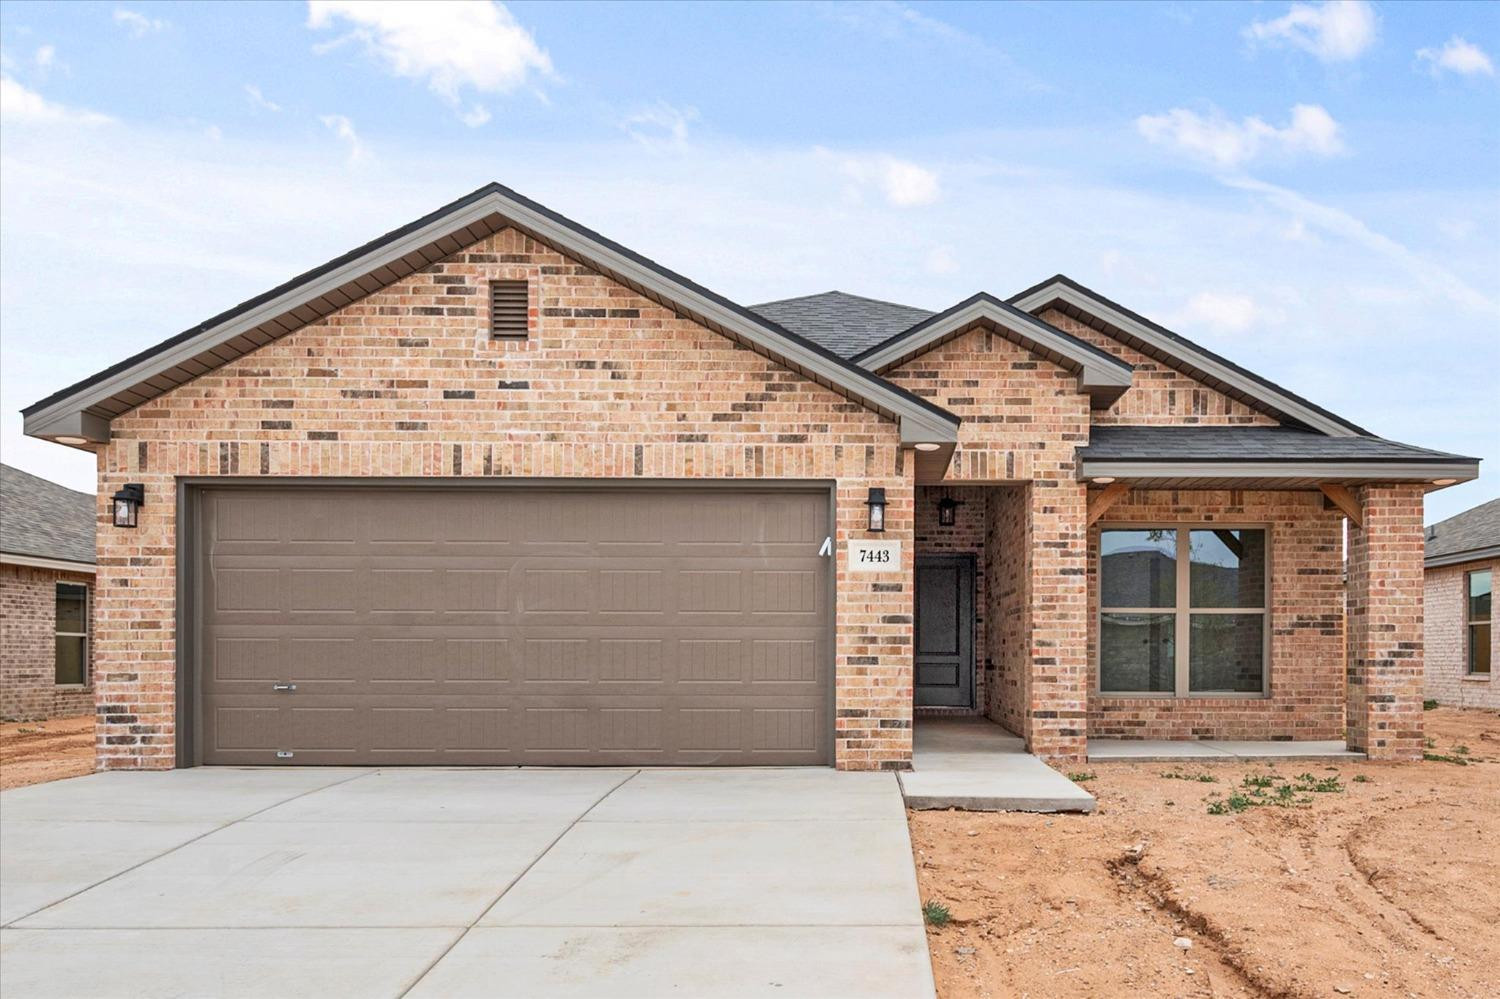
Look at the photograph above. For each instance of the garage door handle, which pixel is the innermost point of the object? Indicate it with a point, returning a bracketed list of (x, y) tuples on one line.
[(283, 686), (826, 548)]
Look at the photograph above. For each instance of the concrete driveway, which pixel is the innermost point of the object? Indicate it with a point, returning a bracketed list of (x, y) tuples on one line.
[(317, 882)]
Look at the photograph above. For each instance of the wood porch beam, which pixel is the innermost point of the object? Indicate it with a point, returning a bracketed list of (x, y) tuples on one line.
[(1100, 502), (1341, 497)]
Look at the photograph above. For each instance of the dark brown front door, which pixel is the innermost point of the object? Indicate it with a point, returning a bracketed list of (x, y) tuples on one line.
[(945, 631), (514, 626)]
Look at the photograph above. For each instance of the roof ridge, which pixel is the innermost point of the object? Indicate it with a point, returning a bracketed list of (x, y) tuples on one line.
[(12, 469), (1463, 513), (845, 294)]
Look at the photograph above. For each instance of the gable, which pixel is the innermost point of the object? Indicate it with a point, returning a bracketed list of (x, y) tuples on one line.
[(81, 414), (413, 363)]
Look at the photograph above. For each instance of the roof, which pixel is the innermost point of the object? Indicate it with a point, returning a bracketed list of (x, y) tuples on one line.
[(85, 408), (845, 324), (1473, 534), (1244, 457), (1177, 351), (41, 519)]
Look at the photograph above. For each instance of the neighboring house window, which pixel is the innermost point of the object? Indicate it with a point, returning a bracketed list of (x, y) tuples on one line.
[(508, 310), (71, 667), (1478, 616), (1182, 611)]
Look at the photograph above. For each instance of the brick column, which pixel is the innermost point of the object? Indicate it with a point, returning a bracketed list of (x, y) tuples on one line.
[(1057, 692), (1384, 624)]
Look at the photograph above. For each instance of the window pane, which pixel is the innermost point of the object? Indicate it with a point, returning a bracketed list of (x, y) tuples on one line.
[(1226, 653), (1228, 568), (1479, 648), (1138, 568), (72, 607), (70, 660), (1479, 595), (1137, 652)]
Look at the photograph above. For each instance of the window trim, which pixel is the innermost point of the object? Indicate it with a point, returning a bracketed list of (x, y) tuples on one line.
[(88, 639), (1469, 672), (1183, 612)]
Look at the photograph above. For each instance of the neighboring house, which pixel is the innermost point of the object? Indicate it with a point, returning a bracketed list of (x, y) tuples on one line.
[(493, 489), (46, 608), (1463, 561)]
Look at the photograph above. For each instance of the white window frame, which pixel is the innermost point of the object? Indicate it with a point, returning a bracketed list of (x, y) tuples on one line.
[(1183, 611), (1469, 623), (88, 597)]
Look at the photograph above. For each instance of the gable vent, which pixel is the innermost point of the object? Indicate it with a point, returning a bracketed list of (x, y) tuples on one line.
[(508, 306)]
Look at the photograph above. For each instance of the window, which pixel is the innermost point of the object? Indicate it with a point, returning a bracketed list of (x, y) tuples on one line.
[(508, 310), (1477, 614), (1182, 611), (71, 665)]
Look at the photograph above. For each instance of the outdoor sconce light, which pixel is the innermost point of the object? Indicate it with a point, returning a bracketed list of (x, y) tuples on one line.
[(130, 498), (876, 503), (948, 511)]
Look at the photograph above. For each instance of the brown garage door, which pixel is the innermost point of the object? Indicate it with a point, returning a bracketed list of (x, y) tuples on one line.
[(437, 626)]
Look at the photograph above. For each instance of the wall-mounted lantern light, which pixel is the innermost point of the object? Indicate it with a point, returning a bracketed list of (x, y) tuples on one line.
[(130, 498), (876, 503), (948, 511)]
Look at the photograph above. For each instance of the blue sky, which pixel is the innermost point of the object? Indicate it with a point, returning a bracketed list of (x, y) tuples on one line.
[(1310, 189)]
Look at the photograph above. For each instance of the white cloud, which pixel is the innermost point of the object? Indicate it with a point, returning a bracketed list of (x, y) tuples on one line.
[(475, 116), (344, 129), (1231, 313), (451, 45), (18, 104), (259, 101), (1458, 56), (46, 57), (941, 260), (903, 184), (660, 125), (1226, 143), (1336, 31), (136, 24)]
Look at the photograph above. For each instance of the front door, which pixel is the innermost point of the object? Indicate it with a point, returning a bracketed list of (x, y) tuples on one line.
[(945, 631)]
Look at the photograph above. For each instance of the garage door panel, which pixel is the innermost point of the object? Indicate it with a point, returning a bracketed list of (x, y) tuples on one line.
[(472, 627)]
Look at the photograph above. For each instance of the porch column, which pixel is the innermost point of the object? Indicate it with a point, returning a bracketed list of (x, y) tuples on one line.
[(1383, 624), (1057, 695)]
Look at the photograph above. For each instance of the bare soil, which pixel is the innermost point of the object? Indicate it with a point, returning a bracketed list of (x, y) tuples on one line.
[(1388, 886), (36, 752)]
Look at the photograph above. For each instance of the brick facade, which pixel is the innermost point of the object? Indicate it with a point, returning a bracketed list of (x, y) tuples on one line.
[(28, 623), (1306, 608), (407, 382), (1445, 641), (1384, 664)]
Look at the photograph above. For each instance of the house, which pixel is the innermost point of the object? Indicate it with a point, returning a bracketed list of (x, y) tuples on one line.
[(494, 489), (46, 605), (1463, 558)]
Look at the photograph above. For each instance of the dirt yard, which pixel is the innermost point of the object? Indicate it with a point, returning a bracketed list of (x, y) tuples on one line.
[(1363, 879), (36, 752)]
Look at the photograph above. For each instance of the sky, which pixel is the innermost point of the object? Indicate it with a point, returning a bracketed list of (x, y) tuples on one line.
[(1310, 189)]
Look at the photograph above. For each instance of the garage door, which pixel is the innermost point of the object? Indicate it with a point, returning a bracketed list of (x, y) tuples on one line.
[(430, 626)]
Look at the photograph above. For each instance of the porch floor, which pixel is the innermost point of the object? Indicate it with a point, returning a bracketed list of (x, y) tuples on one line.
[(975, 765), (1159, 750)]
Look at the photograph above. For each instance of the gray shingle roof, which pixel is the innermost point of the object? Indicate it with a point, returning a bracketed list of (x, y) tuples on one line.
[(1471, 531), (845, 324), (43, 519), (1129, 443)]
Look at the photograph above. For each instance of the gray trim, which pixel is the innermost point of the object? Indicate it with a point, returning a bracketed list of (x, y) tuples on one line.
[(1331, 471), (190, 488), (1102, 377), (1281, 402), (56, 564), (489, 209), (1459, 558)]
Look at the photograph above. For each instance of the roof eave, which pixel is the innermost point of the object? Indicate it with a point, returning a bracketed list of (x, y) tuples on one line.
[(1404, 470), (1487, 553)]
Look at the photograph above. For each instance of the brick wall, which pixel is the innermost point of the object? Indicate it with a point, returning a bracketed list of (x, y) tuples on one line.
[(1009, 570), (1384, 666), (407, 382), (1445, 641), (1307, 595), (28, 623)]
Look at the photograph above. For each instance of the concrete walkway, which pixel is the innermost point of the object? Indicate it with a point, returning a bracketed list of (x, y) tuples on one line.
[(1158, 750), (974, 764), (448, 883)]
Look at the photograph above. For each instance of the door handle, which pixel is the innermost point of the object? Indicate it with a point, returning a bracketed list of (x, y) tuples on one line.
[(284, 686), (826, 548)]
